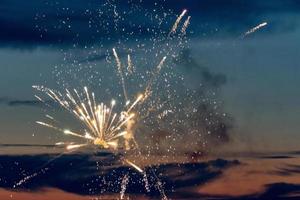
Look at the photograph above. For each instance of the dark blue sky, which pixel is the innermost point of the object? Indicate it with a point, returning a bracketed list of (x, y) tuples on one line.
[(46, 23)]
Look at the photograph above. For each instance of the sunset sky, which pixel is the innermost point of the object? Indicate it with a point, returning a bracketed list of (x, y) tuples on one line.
[(219, 118)]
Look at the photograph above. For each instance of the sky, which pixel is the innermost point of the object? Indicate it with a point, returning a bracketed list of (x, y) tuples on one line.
[(255, 77)]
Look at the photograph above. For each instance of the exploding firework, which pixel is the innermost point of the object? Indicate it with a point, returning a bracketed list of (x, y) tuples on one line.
[(105, 126)]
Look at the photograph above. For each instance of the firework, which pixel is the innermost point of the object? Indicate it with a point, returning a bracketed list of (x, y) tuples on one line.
[(124, 184), (130, 67), (174, 28), (24, 180), (154, 75), (103, 127), (254, 29)]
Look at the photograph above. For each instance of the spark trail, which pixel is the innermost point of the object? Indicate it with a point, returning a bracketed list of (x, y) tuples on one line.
[(254, 29), (178, 20), (130, 67), (185, 25), (124, 184), (120, 72)]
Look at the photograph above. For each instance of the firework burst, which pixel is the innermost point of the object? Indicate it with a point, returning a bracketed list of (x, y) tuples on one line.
[(103, 126)]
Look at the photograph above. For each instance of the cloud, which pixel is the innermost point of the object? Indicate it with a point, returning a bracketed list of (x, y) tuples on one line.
[(93, 58), (84, 177), (280, 191), (288, 170), (16, 102), (25, 103), (276, 157), (28, 145)]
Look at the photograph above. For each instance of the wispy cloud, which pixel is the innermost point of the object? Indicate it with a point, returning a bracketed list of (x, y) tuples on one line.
[(16, 102)]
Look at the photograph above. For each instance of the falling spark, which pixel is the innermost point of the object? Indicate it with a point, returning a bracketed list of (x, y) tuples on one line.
[(124, 184), (130, 67), (50, 117), (134, 166), (46, 124), (145, 179), (59, 143), (154, 75), (174, 28), (254, 29), (27, 178), (120, 71), (185, 25), (39, 98), (161, 63), (75, 146), (119, 64), (161, 190)]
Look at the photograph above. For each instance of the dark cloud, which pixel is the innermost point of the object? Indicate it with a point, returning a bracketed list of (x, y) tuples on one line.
[(294, 152), (15, 102), (28, 145), (276, 157), (64, 23), (25, 103), (85, 178), (93, 58), (274, 191), (280, 191), (288, 170)]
